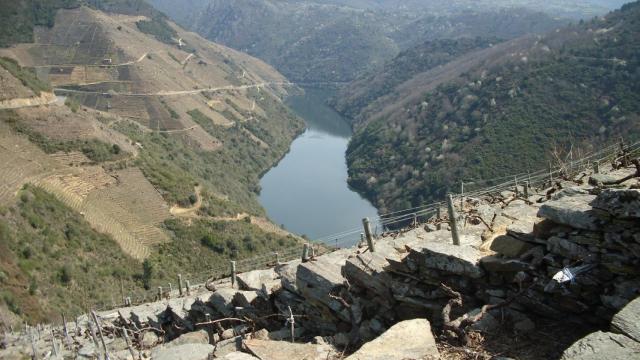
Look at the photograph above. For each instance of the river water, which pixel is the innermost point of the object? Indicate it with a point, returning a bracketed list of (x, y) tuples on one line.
[(307, 191)]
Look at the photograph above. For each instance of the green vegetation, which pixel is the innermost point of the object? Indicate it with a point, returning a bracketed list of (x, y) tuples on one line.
[(175, 167), (352, 99), (159, 28), (506, 118), (96, 150), (19, 17), (54, 262), (26, 76), (215, 243)]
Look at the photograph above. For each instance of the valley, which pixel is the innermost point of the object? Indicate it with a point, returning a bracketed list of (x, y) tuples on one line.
[(224, 166)]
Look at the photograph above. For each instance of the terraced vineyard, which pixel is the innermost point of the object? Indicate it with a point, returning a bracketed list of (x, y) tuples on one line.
[(21, 162), (122, 204)]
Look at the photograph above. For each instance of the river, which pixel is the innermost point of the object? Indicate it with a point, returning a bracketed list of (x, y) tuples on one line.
[(307, 191)]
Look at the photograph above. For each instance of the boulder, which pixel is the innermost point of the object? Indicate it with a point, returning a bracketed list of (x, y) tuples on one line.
[(573, 211), (601, 345), (627, 320), (596, 179), (195, 337), (410, 339), (621, 203), (183, 352), (509, 246), (236, 355), (283, 350)]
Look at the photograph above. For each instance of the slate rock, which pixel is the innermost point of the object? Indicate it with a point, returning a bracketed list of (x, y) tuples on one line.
[(236, 355), (621, 203), (600, 345), (509, 246), (317, 279), (410, 339), (627, 320), (267, 281), (497, 264), (222, 301), (195, 337), (284, 350), (449, 258), (183, 352), (573, 211), (568, 249)]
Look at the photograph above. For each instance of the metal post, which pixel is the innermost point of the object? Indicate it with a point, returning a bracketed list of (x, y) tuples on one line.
[(233, 273), (180, 284), (461, 195), (305, 252), (367, 234), (159, 293), (453, 221), (515, 179), (170, 290), (526, 190), (415, 220)]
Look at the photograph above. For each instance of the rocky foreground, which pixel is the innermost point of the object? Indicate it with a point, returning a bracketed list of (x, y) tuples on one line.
[(554, 274)]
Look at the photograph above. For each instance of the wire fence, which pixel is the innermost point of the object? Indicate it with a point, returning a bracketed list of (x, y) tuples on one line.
[(400, 218)]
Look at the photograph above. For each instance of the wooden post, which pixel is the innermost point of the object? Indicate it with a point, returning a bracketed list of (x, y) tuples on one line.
[(66, 332), (170, 290), (104, 345), (188, 287), (122, 290), (159, 293), (439, 216), (415, 220), (180, 284), (367, 234), (526, 190), (277, 258), (53, 344), (92, 331), (233, 273), (596, 167), (33, 345), (453, 221), (305, 252), (126, 339)]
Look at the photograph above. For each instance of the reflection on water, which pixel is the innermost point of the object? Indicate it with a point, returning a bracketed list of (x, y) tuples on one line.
[(307, 191)]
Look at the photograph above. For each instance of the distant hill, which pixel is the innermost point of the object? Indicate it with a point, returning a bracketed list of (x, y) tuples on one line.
[(145, 163), (335, 41), (497, 110)]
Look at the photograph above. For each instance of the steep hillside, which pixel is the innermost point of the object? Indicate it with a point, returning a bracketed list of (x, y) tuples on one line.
[(153, 143), (500, 110), (334, 41)]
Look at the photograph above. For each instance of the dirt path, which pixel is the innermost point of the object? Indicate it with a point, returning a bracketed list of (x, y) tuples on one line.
[(190, 211), (128, 63)]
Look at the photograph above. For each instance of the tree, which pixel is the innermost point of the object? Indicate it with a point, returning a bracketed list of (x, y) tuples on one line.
[(147, 274)]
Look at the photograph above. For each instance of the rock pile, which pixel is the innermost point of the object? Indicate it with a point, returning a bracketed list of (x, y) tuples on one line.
[(569, 252)]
